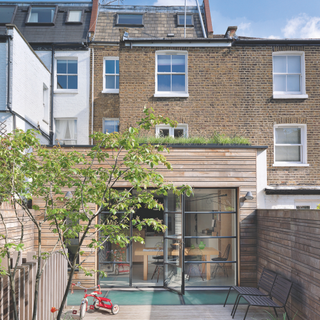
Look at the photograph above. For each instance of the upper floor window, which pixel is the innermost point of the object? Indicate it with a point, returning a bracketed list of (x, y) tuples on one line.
[(7, 14), (171, 74), (290, 145), (181, 18), (66, 131), (67, 74), (130, 19), (288, 75), (110, 125), (111, 75), (41, 15), (181, 130), (74, 16)]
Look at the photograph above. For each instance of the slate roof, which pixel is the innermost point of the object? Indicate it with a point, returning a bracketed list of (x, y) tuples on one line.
[(158, 22), (60, 32)]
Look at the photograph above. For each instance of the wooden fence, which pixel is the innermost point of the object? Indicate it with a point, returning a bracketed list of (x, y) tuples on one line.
[(289, 244)]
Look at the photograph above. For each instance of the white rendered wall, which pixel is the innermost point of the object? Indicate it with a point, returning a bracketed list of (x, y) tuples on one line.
[(28, 76), (75, 105), (261, 177), (280, 201), (3, 75)]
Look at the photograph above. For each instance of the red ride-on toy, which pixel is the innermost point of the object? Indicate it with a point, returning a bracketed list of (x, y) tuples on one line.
[(98, 302)]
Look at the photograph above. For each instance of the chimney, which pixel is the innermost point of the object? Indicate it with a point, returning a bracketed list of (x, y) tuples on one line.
[(231, 32)]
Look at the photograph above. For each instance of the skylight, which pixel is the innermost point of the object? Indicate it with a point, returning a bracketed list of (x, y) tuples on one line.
[(6, 14), (189, 20), (74, 16), (41, 15), (130, 19)]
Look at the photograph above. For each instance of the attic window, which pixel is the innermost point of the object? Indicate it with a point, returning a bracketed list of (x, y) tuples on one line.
[(130, 19), (74, 16), (189, 20), (41, 15), (7, 14)]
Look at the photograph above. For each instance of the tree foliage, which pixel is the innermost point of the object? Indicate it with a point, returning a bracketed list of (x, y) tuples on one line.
[(29, 171)]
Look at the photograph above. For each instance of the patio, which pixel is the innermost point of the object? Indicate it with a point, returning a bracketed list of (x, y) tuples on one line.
[(185, 312)]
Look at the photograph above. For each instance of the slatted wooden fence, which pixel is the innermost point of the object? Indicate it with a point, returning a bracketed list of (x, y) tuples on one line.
[(289, 244)]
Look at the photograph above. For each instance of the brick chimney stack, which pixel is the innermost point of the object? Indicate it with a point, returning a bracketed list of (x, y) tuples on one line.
[(231, 32)]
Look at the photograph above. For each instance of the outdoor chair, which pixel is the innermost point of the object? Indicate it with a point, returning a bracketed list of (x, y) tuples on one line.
[(265, 283), (280, 291), (221, 265)]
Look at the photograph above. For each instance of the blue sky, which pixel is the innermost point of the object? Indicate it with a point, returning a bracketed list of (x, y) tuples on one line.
[(269, 19)]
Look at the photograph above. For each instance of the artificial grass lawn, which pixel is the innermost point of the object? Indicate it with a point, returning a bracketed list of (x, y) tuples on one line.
[(124, 297)]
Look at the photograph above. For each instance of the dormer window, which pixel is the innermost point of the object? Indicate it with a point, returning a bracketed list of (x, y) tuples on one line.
[(41, 16), (130, 19), (74, 16), (7, 14), (189, 20)]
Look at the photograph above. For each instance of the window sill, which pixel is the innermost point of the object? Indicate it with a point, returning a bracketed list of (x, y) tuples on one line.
[(66, 91), (286, 164), (289, 96), (171, 95), (110, 91)]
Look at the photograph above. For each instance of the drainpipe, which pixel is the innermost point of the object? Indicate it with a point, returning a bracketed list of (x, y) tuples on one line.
[(9, 102), (201, 21), (92, 92), (51, 98), (185, 18)]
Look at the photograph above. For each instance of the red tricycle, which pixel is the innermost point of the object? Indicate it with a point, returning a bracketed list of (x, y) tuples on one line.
[(98, 302)]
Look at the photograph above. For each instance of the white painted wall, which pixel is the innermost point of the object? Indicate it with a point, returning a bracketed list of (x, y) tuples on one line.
[(291, 201), (261, 177), (75, 105), (3, 75), (28, 76)]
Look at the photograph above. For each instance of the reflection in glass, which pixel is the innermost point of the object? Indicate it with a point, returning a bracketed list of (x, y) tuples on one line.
[(288, 135), (6, 14), (130, 19), (291, 153), (212, 200), (41, 15)]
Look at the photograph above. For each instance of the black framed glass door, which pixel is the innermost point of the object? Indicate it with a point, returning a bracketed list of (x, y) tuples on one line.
[(173, 248)]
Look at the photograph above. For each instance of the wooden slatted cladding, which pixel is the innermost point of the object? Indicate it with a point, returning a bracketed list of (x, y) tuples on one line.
[(209, 167)]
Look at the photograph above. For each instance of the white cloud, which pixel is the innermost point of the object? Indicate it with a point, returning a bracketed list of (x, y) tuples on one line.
[(273, 37), (244, 28), (302, 26), (174, 3)]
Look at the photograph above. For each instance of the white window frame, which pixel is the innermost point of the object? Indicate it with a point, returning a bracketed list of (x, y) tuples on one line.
[(303, 146), (171, 129), (59, 90), (183, 94), (110, 119), (104, 90), (55, 136), (291, 95)]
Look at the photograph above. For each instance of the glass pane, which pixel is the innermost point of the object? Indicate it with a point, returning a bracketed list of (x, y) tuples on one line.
[(61, 66), (174, 251), (293, 82), (279, 64), (188, 19), (211, 200), (110, 64), (118, 273), (117, 82), (279, 83), (72, 66), (173, 203), (164, 63), (173, 277), (178, 133), (110, 84), (6, 14), (288, 154), (209, 266), (75, 16), (288, 135), (164, 82), (117, 66), (62, 82), (72, 82), (130, 19), (41, 15), (111, 126), (164, 132), (215, 224), (178, 82), (294, 64), (178, 63), (174, 226)]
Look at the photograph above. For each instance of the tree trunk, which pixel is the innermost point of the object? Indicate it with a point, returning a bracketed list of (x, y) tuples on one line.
[(13, 295)]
